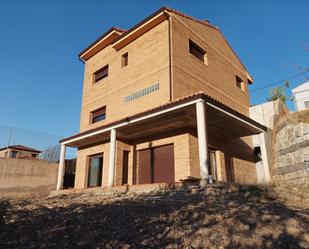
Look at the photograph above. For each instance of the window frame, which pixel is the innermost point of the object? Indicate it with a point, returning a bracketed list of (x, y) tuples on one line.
[(13, 152), (99, 156), (94, 116), (125, 60), (97, 79), (240, 83), (203, 55)]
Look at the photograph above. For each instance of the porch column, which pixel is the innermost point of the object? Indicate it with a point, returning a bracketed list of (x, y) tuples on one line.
[(112, 152), (61, 168), (202, 141), (264, 155)]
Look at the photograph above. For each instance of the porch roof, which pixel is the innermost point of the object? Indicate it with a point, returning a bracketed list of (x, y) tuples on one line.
[(178, 114)]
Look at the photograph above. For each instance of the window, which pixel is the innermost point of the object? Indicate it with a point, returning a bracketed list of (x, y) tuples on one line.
[(98, 115), (95, 170), (125, 60), (100, 74), (34, 155), (197, 52), (240, 83), (13, 154), (307, 104)]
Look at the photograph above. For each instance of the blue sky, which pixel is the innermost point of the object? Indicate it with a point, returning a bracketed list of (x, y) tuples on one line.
[(41, 76)]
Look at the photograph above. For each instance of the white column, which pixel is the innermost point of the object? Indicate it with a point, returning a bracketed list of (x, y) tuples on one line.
[(61, 168), (264, 155), (202, 141), (112, 153)]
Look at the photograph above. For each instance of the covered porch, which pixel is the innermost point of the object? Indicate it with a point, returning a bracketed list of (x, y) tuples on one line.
[(198, 114)]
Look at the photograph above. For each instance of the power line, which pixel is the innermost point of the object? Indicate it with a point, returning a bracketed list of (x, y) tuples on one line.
[(279, 82)]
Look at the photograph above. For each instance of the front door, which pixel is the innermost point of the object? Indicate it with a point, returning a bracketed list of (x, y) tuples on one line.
[(95, 170)]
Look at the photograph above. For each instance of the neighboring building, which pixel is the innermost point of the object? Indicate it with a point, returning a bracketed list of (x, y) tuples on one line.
[(19, 151), (164, 101), (265, 114), (301, 96)]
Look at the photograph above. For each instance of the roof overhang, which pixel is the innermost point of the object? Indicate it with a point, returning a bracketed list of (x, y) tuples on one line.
[(176, 115), (141, 28), (102, 42)]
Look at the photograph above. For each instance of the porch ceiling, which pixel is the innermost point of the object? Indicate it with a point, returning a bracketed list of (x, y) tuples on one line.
[(222, 123)]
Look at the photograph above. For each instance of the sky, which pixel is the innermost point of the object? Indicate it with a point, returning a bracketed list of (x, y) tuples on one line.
[(41, 76)]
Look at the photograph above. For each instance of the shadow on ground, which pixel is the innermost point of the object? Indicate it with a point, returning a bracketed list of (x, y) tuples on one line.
[(222, 216)]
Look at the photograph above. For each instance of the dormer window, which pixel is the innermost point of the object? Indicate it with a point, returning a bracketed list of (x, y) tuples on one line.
[(100, 74)]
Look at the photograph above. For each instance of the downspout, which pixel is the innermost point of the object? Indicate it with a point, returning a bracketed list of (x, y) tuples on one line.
[(170, 54)]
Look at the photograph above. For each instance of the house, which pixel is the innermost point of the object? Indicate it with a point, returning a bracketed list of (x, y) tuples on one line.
[(301, 96), (266, 114), (19, 151), (162, 102)]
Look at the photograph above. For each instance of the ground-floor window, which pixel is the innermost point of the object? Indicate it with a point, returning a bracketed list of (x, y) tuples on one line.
[(212, 166), (95, 170), (156, 165)]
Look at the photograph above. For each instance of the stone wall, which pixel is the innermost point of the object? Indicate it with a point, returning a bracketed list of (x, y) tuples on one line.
[(291, 164), (26, 177)]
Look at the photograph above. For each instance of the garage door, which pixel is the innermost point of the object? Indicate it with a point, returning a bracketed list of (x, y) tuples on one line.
[(156, 165)]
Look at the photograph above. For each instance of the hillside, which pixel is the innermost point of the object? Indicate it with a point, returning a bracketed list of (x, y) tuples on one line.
[(221, 216)]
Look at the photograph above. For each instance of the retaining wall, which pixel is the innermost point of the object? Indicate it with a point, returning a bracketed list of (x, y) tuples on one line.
[(26, 177)]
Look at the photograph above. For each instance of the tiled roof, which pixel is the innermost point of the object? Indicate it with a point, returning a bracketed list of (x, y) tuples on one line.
[(165, 8), (188, 98), (21, 147), (101, 37)]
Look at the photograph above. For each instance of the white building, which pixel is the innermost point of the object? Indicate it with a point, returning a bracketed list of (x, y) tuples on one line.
[(265, 114), (301, 96)]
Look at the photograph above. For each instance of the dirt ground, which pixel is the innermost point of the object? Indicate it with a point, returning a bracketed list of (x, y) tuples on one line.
[(220, 216)]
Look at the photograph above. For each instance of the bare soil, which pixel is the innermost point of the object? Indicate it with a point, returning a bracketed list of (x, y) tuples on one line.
[(220, 216)]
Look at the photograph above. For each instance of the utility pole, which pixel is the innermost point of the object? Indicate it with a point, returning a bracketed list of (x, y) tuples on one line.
[(9, 140)]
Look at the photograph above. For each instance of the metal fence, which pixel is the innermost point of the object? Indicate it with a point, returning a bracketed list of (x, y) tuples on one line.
[(48, 144)]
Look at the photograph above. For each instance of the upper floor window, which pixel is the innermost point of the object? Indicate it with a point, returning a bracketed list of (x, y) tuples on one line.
[(13, 154), (307, 104), (100, 74), (240, 83), (98, 115), (197, 52), (125, 60)]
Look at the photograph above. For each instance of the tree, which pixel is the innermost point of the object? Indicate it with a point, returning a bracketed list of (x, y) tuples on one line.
[(51, 154), (277, 93)]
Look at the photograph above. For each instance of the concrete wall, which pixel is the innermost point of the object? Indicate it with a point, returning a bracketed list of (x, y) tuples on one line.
[(26, 178), (266, 114), (301, 95)]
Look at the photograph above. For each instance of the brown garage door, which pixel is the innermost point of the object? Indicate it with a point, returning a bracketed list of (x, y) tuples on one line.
[(156, 165)]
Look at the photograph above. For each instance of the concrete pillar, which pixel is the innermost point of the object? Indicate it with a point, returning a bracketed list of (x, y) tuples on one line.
[(112, 155), (61, 168), (264, 156), (202, 141)]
